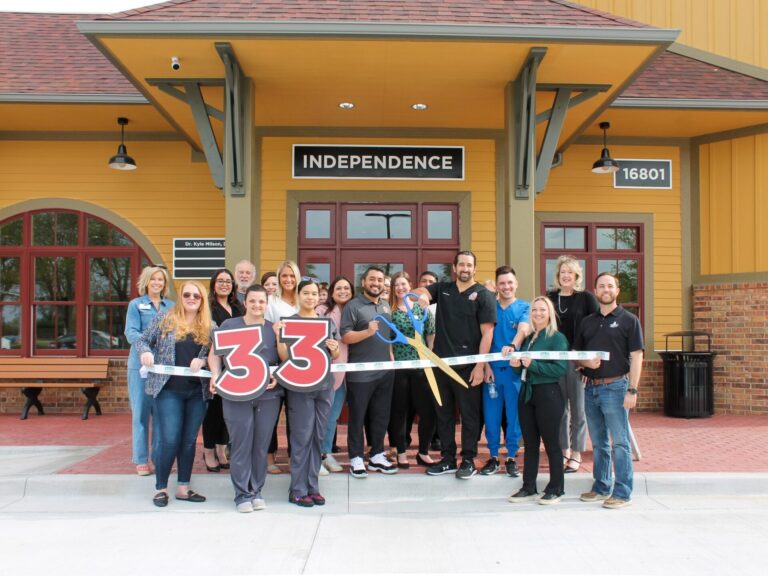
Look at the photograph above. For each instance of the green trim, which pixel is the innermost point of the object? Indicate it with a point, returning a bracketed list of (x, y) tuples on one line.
[(646, 219), (25, 98), (90, 136), (690, 103), (614, 34), (720, 61), (731, 134)]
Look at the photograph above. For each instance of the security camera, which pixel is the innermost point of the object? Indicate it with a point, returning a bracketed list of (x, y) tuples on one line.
[(175, 64)]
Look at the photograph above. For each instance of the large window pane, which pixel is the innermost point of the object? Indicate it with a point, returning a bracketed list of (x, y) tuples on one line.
[(9, 279), (440, 225), (10, 327), (318, 224), (319, 270), (554, 238), (102, 234), (54, 229), (55, 327), (575, 238), (11, 233), (387, 224), (107, 327), (389, 269), (110, 279), (617, 239), (626, 271), (54, 278), (442, 270)]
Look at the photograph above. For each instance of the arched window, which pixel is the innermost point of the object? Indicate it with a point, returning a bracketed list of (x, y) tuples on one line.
[(66, 279)]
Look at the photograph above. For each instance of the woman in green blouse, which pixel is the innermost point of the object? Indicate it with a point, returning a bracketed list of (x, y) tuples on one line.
[(411, 388), (541, 404)]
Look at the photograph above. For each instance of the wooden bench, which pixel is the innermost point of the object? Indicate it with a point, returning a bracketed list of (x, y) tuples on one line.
[(34, 374)]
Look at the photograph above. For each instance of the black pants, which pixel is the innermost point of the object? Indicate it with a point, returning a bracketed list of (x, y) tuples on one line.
[(375, 399), (214, 426), (540, 420), (470, 404), (411, 390), (273, 441)]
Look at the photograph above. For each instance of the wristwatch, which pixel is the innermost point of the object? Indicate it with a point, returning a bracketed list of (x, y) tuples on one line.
[(632, 391)]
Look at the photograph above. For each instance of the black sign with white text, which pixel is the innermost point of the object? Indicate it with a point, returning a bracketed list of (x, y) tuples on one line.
[(197, 257), (643, 174), (378, 162)]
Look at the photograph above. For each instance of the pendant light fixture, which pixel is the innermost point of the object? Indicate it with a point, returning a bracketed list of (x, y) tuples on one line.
[(121, 160), (606, 164)]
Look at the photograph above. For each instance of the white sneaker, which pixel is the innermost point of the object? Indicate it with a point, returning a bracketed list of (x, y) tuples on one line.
[(259, 504), (357, 468), (245, 507), (323, 471), (331, 464), (379, 463)]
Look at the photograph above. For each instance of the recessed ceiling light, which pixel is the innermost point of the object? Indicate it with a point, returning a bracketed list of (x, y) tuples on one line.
[(346, 105), (419, 106)]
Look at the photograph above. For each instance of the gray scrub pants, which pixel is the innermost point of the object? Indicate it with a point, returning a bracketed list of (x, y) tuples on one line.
[(573, 426), (308, 415), (250, 427)]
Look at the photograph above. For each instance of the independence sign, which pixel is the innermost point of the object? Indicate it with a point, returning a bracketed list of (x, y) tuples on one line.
[(378, 162)]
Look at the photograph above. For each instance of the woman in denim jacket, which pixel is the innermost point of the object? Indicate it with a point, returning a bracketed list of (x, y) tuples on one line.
[(180, 338), (153, 286)]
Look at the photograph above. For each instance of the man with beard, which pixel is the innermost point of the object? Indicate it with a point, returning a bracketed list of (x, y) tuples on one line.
[(245, 275), (611, 391), (368, 392), (466, 314)]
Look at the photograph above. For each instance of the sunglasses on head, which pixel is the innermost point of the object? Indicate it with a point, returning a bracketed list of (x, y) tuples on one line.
[(193, 295), (163, 266), (310, 279)]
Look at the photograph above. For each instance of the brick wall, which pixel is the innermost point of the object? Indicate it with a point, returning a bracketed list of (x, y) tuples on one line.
[(651, 395), (737, 317), (113, 395)]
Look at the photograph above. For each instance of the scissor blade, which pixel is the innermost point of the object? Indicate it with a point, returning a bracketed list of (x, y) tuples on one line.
[(433, 385), (425, 352)]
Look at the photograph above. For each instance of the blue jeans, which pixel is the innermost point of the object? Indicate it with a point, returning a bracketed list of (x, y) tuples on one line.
[(608, 421), (508, 391), (180, 415), (333, 417), (142, 407)]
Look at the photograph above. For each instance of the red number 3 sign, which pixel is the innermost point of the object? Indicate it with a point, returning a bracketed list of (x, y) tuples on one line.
[(308, 361), (247, 373)]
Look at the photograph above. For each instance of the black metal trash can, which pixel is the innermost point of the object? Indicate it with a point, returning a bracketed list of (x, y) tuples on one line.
[(688, 384)]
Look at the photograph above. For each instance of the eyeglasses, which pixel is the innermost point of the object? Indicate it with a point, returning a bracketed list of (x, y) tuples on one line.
[(193, 295), (225, 282)]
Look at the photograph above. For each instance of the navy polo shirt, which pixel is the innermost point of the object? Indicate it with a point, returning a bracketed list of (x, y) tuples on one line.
[(458, 317), (618, 333)]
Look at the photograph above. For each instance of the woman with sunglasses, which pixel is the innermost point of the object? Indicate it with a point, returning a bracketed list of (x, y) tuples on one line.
[(153, 286), (339, 293), (283, 303), (308, 411), (222, 297), (179, 338), (251, 422)]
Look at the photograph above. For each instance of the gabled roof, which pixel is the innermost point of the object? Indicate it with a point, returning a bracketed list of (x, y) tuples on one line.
[(47, 54), (501, 12), (673, 76)]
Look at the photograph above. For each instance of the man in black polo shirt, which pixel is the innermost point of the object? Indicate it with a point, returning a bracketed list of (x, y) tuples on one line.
[(466, 315), (370, 391), (611, 391)]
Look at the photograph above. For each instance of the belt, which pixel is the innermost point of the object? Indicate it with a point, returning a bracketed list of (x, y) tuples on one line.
[(602, 381)]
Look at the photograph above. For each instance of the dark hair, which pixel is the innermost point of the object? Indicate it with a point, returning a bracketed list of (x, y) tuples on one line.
[(501, 270), (371, 269), (330, 303), (266, 276), (465, 253), (304, 283), (428, 273), (616, 278), (232, 300), (254, 288)]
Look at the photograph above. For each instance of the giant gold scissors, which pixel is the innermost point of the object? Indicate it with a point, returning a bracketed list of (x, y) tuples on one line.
[(419, 345)]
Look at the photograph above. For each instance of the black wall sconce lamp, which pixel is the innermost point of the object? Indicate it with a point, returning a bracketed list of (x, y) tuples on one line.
[(121, 160), (606, 164)]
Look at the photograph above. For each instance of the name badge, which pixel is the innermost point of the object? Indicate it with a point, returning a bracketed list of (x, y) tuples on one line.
[(145, 306)]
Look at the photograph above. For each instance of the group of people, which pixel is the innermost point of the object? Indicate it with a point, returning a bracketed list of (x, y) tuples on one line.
[(541, 400)]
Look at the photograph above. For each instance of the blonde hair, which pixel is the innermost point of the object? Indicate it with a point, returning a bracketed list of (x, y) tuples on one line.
[(175, 321), (575, 267), (146, 276), (296, 272), (552, 325)]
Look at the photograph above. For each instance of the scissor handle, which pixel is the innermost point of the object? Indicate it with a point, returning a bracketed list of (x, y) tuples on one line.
[(398, 337), (418, 323)]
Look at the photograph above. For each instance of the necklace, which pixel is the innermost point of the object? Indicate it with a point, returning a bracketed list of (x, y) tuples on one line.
[(559, 307)]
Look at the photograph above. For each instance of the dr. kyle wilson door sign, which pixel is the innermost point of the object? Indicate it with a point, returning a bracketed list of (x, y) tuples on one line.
[(378, 162)]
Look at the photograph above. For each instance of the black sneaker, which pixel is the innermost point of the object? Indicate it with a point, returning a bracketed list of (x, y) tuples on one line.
[(466, 470), (522, 495), (491, 467), (512, 469), (550, 498), (442, 467)]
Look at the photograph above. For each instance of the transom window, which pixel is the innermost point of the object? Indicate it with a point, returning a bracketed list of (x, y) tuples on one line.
[(66, 279), (615, 248)]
